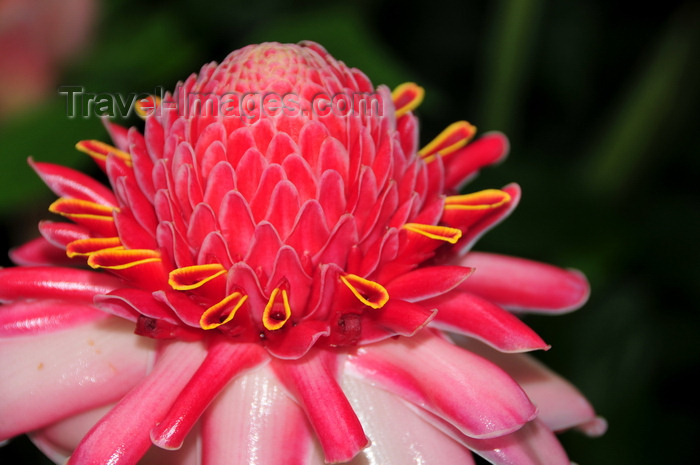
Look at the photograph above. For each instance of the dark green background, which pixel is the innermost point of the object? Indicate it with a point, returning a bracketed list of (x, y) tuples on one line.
[(599, 100)]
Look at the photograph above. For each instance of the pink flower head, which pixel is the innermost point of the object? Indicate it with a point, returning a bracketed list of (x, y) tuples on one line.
[(289, 259)]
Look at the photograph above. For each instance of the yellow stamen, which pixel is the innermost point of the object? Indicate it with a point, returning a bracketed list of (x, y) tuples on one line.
[(99, 150), (87, 247), (119, 258), (454, 137), (441, 233), (77, 208), (407, 97), (368, 292), (275, 320), (212, 317), (147, 106), (192, 277), (482, 200)]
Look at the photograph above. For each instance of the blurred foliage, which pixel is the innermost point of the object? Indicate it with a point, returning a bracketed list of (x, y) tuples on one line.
[(599, 100)]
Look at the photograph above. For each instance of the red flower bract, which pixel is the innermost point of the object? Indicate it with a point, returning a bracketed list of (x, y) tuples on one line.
[(277, 210)]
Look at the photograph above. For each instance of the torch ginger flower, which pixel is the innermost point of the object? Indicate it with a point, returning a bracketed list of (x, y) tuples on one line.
[(289, 259)]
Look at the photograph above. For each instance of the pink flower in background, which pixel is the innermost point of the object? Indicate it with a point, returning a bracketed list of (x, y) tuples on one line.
[(36, 37), (293, 267)]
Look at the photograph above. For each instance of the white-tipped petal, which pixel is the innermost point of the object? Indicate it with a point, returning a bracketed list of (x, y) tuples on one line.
[(261, 425), (49, 377), (397, 434)]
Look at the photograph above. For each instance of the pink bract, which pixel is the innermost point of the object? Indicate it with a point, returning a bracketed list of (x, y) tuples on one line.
[(292, 265)]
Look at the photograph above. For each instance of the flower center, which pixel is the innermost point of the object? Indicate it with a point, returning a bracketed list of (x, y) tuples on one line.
[(287, 227)]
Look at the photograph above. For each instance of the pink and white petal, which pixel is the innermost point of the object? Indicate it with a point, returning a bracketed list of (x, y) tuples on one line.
[(466, 390), (396, 317), (35, 282), (261, 424), (61, 234), (398, 435), (188, 454), (491, 147), (533, 444), (224, 361), (473, 316), (52, 376), (58, 440), (67, 182), (293, 342), (593, 428), (29, 317), (427, 282), (39, 252), (122, 436), (311, 381), (521, 284), (488, 222), (560, 405), (118, 134)]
